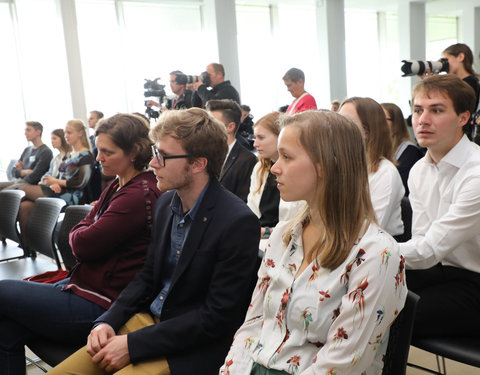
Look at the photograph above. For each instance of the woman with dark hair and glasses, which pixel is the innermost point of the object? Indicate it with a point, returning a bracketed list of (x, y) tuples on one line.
[(110, 246)]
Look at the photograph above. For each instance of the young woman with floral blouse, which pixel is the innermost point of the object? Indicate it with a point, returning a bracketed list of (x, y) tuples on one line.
[(332, 281)]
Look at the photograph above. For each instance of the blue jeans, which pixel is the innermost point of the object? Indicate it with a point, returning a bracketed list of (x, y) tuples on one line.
[(31, 310)]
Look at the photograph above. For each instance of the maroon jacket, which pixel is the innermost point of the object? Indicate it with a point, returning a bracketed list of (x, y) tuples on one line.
[(111, 243)]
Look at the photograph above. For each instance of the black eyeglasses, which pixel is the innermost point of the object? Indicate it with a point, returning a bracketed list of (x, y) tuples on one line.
[(162, 158)]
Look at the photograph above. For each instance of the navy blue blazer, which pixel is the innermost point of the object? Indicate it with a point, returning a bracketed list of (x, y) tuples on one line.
[(237, 171), (210, 290)]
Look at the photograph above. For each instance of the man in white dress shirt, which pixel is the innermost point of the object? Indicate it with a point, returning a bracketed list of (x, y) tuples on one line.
[(443, 256)]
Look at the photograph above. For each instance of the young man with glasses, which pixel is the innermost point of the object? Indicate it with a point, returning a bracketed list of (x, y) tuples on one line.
[(179, 314)]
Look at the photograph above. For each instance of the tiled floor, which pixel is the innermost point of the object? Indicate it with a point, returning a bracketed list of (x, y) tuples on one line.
[(425, 359)]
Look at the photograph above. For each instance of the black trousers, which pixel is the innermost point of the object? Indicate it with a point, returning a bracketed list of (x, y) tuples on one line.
[(449, 301)]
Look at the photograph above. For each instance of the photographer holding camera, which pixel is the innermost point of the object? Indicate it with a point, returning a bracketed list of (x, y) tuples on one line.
[(220, 89), (183, 96), (457, 59), (460, 61)]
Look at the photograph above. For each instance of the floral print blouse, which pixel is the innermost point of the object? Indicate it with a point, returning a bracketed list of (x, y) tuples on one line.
[(325, 321)]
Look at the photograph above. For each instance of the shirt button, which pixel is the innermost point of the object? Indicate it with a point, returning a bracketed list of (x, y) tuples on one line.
[(161, 298), (178, 252)]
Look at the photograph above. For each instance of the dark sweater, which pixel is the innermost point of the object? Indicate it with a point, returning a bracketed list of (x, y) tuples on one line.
[(111, 243), (38, 159)]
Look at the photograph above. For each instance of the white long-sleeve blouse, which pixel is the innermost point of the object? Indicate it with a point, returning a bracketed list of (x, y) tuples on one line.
[(323, 322)]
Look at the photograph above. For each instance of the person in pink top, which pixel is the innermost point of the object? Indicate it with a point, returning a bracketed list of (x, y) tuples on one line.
[(294, 79)]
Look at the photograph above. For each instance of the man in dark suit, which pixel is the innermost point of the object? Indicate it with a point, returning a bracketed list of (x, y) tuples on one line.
[(238, 166), (179, 314)]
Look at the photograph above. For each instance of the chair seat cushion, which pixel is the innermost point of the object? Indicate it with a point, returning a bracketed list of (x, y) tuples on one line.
[(461, 349)]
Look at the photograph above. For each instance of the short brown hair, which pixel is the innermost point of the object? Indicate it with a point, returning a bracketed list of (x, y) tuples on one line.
[(200, 134), (218, 68), (456, 89), (130, 133), (374, 122), (231, 111), (294, 75), (98, 114), (36, 125)]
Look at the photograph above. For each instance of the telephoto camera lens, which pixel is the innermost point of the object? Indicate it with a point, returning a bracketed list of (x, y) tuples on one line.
[(414, 67)]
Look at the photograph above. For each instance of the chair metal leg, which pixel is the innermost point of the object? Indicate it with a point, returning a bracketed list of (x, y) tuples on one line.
[(35, 362), (441, 370), (441, 367)]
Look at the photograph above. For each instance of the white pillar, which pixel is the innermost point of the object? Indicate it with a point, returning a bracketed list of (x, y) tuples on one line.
[(220, 24), (331, 40), (72, 47), (412, 41), (471, 32)]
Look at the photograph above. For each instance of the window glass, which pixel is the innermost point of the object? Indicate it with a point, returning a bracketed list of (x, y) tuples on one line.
[(100, 51), (149, 41), (298, 47), (11, 116), (362, 53), (257, 59), (390, 61), (441, 33), (43, 65), (161, 38), (36, 85)]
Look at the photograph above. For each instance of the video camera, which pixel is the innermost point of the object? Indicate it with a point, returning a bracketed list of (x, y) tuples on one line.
[(414, 67), (153, 88)]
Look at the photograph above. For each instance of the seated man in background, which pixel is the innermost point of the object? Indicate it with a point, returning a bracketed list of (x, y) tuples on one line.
[(34, 161), (93, 119), (238, 166), (180, 312), (95, 185), (443, 256)]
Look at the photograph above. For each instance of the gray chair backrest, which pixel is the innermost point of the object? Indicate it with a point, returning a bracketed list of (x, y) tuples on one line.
[(9, 206), (73, 215), (10, 166), (41, 224), (400, 337)]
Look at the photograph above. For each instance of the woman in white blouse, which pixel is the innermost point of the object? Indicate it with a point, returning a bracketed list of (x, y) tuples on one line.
[(386, 187), (331, 281), (264, 198)]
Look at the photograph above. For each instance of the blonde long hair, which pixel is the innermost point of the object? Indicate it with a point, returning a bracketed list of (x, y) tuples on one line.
[(79, 125), (335, 144), (269, 122)]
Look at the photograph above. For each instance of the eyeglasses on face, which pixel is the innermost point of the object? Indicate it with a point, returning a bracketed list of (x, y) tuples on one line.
[(162, 158)]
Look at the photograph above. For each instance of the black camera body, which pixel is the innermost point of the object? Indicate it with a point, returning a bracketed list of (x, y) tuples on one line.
[(414, 67), (185, 79), (152, 88)]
